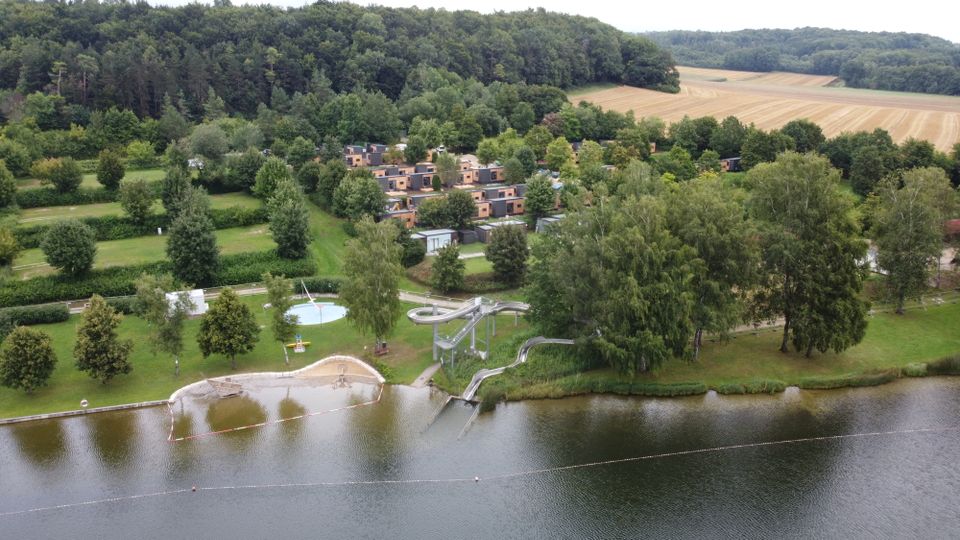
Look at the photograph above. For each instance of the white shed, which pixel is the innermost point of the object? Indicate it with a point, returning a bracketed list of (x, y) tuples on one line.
[(436, 238)]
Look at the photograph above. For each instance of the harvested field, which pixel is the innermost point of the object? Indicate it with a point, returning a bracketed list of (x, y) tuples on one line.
[(770, 100)]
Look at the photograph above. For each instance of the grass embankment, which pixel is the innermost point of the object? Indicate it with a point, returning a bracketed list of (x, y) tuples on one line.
[(574, 93), (152, 377), (90, 179), (895, 345), (32, 216), (130, 251)]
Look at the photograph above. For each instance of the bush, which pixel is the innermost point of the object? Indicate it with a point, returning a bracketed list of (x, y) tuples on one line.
[(752, 387), (127, 305), (8, 186), (63, 173), (42, 314), (945, 366), (69, 246), (916, 369), (35, 198), (140, 155), (317, 285), (110, 169), (9, 246)]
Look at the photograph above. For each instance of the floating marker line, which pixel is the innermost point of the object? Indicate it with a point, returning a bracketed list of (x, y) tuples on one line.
[(477, 479)]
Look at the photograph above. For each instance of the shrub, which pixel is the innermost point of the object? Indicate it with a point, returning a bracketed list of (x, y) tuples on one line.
[(127, 305), (9, 246), (136, 199), (35, 198), (827, 382), (16, 156), (63, 173), (8, 186), (945, 366), (446, 273), (316, 285), (27, 359), (916, 369), (752, 387), (110, 169), (42, 314), (140, 154)]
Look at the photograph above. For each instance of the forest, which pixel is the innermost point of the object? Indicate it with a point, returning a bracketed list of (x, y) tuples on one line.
[(131, 55), (878, 60)]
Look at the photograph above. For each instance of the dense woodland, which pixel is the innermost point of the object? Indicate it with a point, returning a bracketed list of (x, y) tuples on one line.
[(131, 55), (880, 60)]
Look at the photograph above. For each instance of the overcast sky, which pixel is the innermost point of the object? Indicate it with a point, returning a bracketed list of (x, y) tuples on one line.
[(923, 16)]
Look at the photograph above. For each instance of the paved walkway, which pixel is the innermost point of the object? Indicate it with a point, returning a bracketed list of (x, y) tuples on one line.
[(427, 300), (427, 374)]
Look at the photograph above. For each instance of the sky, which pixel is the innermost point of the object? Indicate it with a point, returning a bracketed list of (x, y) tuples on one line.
[(920, 16)]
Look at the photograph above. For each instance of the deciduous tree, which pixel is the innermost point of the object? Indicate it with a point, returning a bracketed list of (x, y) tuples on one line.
[(228, 328), (289, 220), (70, 246), (27, 359), (165, 318), (191, 244), (282, 323), (508, 252), (540, 198), (446, 273), (372, 270), (97, 350), (136, 199)]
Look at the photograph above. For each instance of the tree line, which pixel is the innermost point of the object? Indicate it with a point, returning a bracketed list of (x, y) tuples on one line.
[(879, 60), (100, 55)]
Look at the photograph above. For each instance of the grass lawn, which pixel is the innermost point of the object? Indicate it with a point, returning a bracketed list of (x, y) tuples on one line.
[(32, 216), (31, 262), (476, 247), (892, 341), (152, 376), (90, 179), (573, 93), (329, 241), (477, 265)]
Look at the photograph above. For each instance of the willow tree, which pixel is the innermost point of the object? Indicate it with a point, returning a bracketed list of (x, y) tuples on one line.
[(811, 248), (908, 229), (370, 292)]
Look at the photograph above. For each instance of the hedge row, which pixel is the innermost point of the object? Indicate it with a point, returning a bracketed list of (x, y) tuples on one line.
[(317, 285), (120, 227), (27, 315), (35, 198), (121, 280)]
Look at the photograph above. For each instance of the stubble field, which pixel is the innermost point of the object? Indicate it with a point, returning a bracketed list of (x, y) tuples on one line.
[(770, 100)]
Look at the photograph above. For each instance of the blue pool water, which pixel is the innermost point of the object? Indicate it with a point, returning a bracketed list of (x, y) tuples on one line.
[(317, 313)]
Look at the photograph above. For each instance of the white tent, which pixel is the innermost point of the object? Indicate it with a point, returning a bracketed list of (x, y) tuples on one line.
[(196, 297)]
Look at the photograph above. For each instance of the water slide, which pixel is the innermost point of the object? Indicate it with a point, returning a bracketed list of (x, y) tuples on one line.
[(484, 374), (474, 310)]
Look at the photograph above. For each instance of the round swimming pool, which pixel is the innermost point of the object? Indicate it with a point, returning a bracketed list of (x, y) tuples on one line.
[(317, 313)]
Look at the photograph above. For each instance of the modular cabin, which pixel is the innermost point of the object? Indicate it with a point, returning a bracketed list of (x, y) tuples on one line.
[(407, 217), (730, 164), (436, 239), (485, 231), (506, 206)]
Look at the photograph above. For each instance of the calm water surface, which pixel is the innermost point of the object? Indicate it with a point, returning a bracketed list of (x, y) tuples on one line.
[(899, 485)]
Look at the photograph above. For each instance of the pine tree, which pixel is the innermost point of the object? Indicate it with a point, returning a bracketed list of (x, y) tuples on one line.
[(97, 349), (228, 328), (27, 359), (289, 220)]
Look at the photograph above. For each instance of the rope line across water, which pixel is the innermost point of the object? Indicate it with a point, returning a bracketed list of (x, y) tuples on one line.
[(475, 479)]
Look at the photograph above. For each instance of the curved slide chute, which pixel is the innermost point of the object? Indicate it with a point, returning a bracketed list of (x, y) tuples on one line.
[(471, 391)]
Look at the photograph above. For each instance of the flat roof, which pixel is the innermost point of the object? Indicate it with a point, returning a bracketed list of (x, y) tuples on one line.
[(436, 232)]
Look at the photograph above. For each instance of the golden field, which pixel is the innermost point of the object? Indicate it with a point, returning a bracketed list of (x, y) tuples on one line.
[(770, 100)]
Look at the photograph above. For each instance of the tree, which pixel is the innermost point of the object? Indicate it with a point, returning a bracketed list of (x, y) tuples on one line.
[(487, 151), (508, 252), (63, 173), (97, 350), (867, 167), (191, 244), (460, 208), (282, 323), (333, 173), (269, 176), (538, 138), (141, 154), (308, 176), (710, 218), (70, 246), (559, 154), (300, 151), (761, 147), (709, 161), (8, 186), (110, 169), (541, 198), (528, 159), (446, 273), (434, 213), (917, 153), (27, 359), (9, 247), (513, 171), (136, 199), (447, 170), (811, 247), (16, 157), (359, 195), (242, 170), (175, 183), (228, 328), (414, 250), (165, 318), (209, 141), (727, 139), (807, 136), (908, 229), (416, 149), (372, 269), (289, 220)]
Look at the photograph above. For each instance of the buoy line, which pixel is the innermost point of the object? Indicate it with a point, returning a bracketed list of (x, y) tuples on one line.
[(478, 479)]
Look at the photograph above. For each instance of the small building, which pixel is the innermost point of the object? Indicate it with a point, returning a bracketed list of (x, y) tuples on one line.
[(506, 206), (196, 298), (730, 164), (485, 231), (436, 239), (407, 217), (546, 222)]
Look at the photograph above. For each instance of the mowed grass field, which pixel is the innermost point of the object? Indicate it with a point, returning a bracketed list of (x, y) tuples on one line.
[(33, 216), (31, 262), (770, 100), (90, 179)]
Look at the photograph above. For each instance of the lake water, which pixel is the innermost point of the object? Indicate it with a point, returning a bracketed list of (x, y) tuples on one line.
[(298, 479)]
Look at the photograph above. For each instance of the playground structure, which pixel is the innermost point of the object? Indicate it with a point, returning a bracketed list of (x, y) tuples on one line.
[(475, 311)]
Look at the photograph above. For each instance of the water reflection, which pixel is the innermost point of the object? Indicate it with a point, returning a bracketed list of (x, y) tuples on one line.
[(234, 412), (114, 435), (42, 443), (291, 408)]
